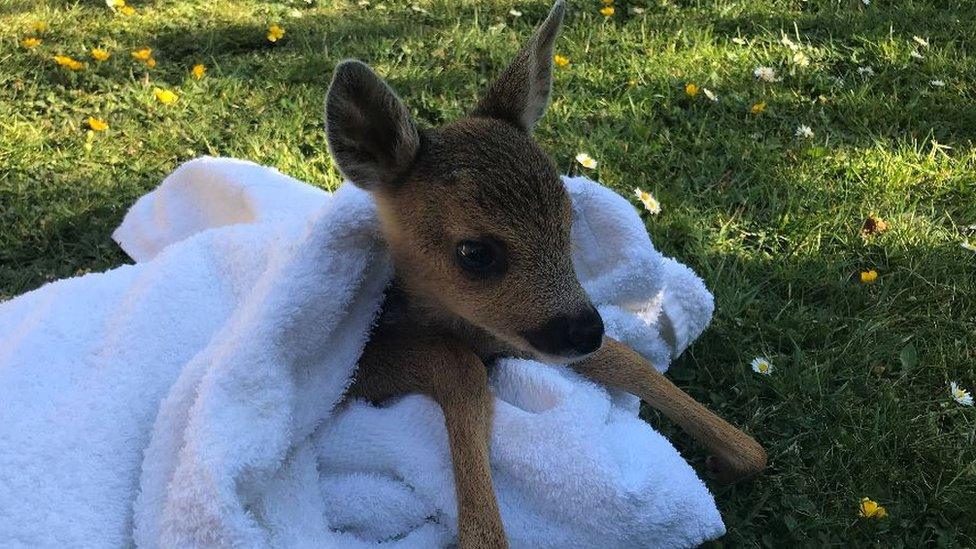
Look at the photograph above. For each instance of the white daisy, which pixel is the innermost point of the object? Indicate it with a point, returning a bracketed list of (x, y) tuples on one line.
[(804, 131), (650, 203), (938, 83), (710, 95), (865, 71), (586, 160), (762, 366), (968, 246), (866, 2), (960, 395), (739, 41), (917, 55), (636, 10), (921, 41), (514, 12), (766, 74)]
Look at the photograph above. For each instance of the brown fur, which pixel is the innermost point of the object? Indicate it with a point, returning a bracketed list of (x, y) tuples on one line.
[(484, 179)]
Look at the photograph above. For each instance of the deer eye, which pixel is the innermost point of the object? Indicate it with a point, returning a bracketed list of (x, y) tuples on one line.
[(479, 257)]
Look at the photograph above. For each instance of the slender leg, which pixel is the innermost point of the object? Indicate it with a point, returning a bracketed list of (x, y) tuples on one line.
[(736, 454), (457, 380)]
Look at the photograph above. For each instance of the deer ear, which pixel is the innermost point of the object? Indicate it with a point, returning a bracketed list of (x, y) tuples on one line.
[(521, 94), (370, 132)]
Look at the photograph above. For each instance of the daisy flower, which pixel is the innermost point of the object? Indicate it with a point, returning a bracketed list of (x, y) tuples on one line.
[(739, 41), (870, 509), (514, 12), (960, 395), (804, 131), (560, 60), (97, 124), (766, 74), (917, 55), (647, 199), (710, 95), (636, 10), (762, 366), (275, 33), (921, 41), (198, 71), (968, 246), (586, 161), (938, 83), (865, 71), (868, 277)]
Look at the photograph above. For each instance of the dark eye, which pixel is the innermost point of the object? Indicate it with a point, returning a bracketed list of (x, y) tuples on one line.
[(478, 256)]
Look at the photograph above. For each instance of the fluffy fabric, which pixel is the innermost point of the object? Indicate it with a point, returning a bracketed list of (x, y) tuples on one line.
[(194, 398)]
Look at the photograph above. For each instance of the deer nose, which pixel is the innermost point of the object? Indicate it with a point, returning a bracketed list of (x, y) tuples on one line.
[(585, 332), (568, 335)]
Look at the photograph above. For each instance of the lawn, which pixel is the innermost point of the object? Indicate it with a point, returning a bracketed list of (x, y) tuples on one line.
[(858, 404)]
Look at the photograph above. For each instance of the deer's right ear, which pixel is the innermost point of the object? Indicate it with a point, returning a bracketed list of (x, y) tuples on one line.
[(370, 133)]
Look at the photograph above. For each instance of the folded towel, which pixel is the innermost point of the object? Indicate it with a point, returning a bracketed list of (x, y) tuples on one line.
[(193, 399)]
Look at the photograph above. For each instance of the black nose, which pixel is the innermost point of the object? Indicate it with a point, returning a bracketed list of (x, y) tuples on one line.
[(568, 335), (585, 332)]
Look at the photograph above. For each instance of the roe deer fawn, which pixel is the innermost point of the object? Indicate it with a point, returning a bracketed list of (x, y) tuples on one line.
[(478, 225)]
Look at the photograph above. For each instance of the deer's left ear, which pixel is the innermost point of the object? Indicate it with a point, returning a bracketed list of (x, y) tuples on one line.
[(521, 94)]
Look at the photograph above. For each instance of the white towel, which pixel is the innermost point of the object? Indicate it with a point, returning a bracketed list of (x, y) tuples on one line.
[(191, 399)]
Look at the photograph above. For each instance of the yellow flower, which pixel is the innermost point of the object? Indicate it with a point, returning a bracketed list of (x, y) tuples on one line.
[(868, 277), (165, 97), (650, 203), (560, 60), (39, 27), (100, 55), (127, 10), (607, 11), (758, 107), (691, 89), (198, 71), (69, 63), (151, 62), (30, 42), (275, 33), (607, 2), (97, 124), (145, 54), (870, 509), (115, 3), (586, 160)]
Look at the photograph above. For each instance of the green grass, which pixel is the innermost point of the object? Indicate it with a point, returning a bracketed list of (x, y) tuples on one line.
[(858, 405)]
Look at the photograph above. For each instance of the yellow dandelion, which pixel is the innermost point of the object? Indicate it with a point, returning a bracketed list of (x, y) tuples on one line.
[(165, 97), (69, 63), (868, 277), (144, 54), (560, 60), (198, 71), (127, 10), (586, 160), (607, 11), (30, 42), (100, 55), (870, 509), (758, 108), (97, 124), (115, 4), (691, 89), (151, 62), (275, 33), (39, 27), (647, 199)]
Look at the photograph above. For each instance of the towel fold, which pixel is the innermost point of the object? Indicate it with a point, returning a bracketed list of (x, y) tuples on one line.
[(195, 398)]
